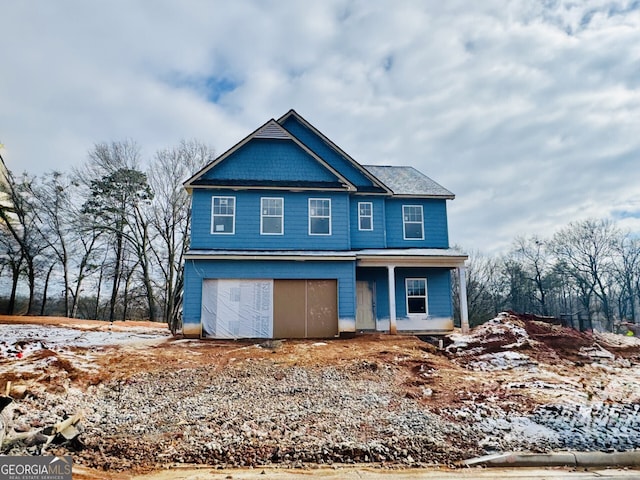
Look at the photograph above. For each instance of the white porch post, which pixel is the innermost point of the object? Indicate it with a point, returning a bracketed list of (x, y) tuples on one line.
[(393, 328), (464, 312)]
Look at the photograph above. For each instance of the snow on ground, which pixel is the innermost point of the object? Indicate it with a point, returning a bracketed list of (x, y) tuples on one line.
[(28, 349), (21, 340)]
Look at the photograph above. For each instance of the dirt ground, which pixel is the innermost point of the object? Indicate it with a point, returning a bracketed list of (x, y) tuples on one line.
[(509, 385)]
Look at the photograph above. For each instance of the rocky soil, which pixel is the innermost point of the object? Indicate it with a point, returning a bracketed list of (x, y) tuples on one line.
[(512, 384)]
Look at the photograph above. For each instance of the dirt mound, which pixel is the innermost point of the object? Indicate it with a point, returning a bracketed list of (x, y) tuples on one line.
[(508, 332)]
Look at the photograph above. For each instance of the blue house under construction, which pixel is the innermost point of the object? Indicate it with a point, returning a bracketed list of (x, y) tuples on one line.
[(292, 238)]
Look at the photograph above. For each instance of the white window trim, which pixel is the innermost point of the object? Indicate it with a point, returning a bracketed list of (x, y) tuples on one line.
[(319, 216), (404, 223), (263, 216), (233, 221), (365, 216), (426, 297)]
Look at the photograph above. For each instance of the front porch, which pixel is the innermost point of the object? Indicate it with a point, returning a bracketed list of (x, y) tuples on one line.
[(409, 291)]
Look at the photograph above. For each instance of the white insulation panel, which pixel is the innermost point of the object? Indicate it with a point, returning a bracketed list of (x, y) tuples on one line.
[(237, 308)]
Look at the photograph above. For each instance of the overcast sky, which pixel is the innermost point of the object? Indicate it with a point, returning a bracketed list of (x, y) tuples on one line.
[(529, 111)]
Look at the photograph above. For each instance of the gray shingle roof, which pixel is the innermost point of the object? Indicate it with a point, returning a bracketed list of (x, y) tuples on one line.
[(408, 181)]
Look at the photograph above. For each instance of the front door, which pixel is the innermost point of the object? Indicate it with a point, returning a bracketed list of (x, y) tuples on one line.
[(365, 319)]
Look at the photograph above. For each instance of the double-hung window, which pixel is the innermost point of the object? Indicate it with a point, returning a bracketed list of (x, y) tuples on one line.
[(416, 296), (271, 216), (365, 216), (412, 222), (223, 215), (319, 216)]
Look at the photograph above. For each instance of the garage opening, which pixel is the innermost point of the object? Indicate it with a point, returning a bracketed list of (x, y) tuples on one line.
[(249, 308)]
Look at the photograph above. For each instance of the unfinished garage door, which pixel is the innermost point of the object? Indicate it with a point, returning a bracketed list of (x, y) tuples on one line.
[(237, 308), (305, 308)]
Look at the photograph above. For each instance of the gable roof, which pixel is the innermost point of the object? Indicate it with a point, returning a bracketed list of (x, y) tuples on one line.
[(407, 181), (401, 181), (270, 130), (376, 182)]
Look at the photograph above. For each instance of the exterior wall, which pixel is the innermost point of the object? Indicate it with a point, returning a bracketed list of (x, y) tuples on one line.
[(247, 223), (267, 159), (328, 154), (379, 277), (198, 270), (438, 291), (375, 238), (434, 213)]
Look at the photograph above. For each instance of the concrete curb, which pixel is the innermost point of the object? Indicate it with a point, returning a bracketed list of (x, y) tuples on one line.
[(557, 459)]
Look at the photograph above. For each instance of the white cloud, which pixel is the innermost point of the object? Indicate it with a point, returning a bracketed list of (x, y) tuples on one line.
[(526, 110)]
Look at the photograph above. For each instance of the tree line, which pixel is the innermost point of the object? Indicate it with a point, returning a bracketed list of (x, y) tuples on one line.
[(104, 241), (589, 271), (107, 241)]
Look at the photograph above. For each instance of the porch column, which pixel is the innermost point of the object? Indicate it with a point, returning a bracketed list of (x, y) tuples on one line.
[(464, 312), (393, 328)]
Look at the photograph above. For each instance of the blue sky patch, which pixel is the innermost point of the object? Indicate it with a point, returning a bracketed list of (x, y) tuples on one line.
[(620, 214), (212, 87)]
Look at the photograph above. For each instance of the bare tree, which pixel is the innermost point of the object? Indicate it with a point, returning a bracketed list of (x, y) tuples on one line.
[(20, 224), (115, 189), (485, 288), (53, 198), (171, 217), (627, 267), (533, 255), (585, 251)]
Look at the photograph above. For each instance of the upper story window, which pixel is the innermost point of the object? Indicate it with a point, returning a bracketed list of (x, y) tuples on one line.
[(271, 216), (365, 216), (223, 215), (416, 296), (319, 216), (412, 222)]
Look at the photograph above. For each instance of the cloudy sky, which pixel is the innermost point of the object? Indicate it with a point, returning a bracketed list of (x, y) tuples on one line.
[(529, 111)]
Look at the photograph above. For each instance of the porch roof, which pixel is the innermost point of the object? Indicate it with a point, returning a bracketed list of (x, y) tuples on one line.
[(411, 257), (383, 257)]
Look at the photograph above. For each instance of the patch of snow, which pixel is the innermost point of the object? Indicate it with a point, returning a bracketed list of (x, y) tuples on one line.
[(501, 361), (503, 327), (21, 340)]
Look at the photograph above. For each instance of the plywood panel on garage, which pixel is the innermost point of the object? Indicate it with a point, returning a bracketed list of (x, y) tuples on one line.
[(289, 308), (322, 308), (305, 308)]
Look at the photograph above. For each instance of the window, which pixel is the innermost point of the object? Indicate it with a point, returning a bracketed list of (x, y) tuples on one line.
[(271, 216), (416, 296), (412, 222), (223, 215), (319, 216), (365, 216)]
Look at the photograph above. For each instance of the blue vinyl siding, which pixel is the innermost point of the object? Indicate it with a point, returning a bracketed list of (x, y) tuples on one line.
[(266, 159), (438, 290), (328, 154), (368, 238), (247, 225), (198, 270), (435, 223)]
